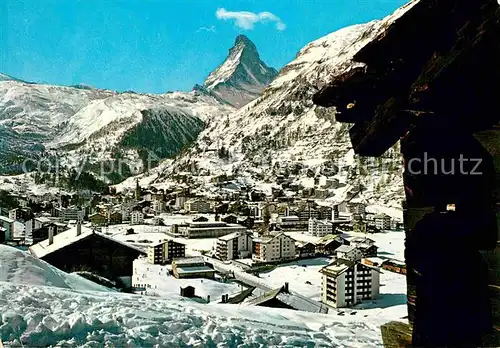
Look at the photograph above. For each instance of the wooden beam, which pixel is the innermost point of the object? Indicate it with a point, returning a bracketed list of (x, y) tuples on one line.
[(396, 334)]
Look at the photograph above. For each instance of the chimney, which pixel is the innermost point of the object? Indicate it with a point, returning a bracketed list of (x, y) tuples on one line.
[(51, 235), (223, 298), (286, 287), (208, 298), (78, 228)]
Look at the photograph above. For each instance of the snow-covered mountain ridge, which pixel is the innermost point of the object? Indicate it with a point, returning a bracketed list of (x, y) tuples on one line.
[(242, 76), (74, 123), (283, 134)]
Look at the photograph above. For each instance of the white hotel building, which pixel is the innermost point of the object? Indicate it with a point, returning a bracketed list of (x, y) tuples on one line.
[(273, 248), (319, 228), (234, 246)]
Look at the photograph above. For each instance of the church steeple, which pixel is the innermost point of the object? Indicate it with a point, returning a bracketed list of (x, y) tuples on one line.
[(137, 190)]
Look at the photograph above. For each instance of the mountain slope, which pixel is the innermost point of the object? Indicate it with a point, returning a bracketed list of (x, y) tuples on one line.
[(74, 124), (242, 76), (283, 134)]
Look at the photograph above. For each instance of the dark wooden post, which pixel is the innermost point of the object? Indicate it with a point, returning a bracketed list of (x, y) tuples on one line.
[(449, 216)]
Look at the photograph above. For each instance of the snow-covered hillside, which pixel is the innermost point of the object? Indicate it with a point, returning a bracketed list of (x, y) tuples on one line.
[(74, 123), (242, 76), (19, 267), (283, 133), (39, 307)]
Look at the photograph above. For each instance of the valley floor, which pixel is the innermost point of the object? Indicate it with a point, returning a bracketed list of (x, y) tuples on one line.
[(41, 306)]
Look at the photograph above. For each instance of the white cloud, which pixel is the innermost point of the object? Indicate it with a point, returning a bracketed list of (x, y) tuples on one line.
[(246, 20), (209, 29)]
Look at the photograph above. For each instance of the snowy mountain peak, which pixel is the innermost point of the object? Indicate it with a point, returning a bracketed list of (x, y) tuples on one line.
[(242, 76), (243, 40)]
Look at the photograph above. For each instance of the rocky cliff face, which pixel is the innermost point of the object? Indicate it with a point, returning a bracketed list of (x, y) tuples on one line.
[(243, 75)]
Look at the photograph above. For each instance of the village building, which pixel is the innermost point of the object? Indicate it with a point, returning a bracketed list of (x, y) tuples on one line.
[(320, 228), (348, 252), (358, 224), (7, 224), (328, 246), (81, 248), (305, 249), (236, 245), (194, 267), (365, 245), (230, 219), (115, 218), (158, 206), (98, 219), (20, 214), (212, 229), (290, 222), (164, 251), (72, 213), (346, 283), (382, 221), (197, 206), (272, 299), (136, 217), (273, 248)]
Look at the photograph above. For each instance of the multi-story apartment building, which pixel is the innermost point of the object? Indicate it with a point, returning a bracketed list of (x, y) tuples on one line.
[(7, 224), (211, 229), (382, 221), (136, 217), (19, 214), (234, 246), (164, 251), (346, 283), (72, 213), (273, 248), (158, 206), (198, 206), (320, 228)]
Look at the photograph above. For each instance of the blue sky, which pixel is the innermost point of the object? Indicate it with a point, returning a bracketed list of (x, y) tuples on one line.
[(160, 45)]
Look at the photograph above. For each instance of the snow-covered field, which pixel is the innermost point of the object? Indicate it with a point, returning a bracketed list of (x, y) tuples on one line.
[(147, 234), (39, 307), (158, 282), (305, 279)]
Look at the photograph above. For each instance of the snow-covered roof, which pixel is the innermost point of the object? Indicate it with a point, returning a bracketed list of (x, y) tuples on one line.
[(43, 219), (362, 240), (188, 261), (63, 239), (194, 269), (345, 248), (337, 267), (231, 236), (375, 260), (6, 219)]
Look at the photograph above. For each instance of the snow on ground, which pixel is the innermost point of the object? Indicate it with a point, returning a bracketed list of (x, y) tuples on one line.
[(302, 276), (34, 314), (147, 234), (158, 282), (394, 212), (19, 267), (390, 244), (42, 316), (302, 237)]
